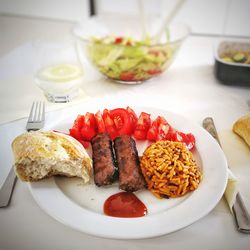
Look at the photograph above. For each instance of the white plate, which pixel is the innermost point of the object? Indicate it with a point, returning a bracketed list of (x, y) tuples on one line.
[(81, 206)]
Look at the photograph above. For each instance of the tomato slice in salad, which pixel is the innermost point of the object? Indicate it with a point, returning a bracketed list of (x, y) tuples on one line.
[(127, 76), (154, 71), (118, 40)]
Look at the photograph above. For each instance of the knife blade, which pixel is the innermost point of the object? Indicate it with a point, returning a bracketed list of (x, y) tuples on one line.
[(7, 188), (240, 212)]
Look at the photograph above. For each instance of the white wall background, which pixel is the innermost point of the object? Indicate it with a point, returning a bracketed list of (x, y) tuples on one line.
[(214, 17), (69, 10)]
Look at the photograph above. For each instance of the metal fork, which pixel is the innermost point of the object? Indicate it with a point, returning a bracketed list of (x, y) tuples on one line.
[(36, 117), (35, 122)]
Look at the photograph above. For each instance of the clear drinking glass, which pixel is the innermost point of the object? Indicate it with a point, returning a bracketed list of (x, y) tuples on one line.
[(57, 70)]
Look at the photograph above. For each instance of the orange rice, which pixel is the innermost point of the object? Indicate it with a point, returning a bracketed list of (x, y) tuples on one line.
[(169, 169)]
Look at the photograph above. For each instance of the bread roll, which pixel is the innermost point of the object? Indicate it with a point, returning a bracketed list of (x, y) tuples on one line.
[(43, 154), (242, 128)]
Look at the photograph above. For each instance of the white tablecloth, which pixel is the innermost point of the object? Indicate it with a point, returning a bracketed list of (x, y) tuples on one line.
[(188, 88)]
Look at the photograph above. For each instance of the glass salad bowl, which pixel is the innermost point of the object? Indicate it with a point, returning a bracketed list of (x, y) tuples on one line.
[(118, 49)]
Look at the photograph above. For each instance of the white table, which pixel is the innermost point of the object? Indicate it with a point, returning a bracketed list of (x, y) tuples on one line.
[(188, 88)]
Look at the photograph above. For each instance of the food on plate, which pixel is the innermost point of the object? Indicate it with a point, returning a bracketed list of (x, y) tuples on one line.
[(124, 121), (127, 60), (130, 176), (236, 56), (105, 171), (169, 169), (43, 154), (124, 204), (242, 128), (142, 126)]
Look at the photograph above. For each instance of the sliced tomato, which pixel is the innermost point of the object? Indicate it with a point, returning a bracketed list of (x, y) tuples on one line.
[(158, 129), (122, 121), (100, 122), (142, 126), (79, 121), (109, 124), (127, 76), (89, 130), (87, 133), (107, 118), (191, 141), (118, 40), (153, 131), (163, 131), (133, 117), (89, 120), (140, 134), (84, 143), (154, 52), (143, 122), (154, 71), (75, 131), (187, 139)]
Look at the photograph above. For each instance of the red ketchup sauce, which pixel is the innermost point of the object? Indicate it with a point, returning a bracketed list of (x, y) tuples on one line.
[(124, 204)]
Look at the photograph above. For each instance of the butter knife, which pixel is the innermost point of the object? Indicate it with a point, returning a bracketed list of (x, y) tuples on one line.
[(7, 188), (240, 212)]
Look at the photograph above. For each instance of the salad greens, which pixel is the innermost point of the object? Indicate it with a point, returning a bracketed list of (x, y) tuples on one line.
[(125, 59)]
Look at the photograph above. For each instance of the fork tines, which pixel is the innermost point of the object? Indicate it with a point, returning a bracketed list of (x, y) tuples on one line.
[(37, 112), (36, 116)]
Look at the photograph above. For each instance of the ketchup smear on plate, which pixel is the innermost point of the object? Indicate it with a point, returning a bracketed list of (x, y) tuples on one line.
[(124, 204)]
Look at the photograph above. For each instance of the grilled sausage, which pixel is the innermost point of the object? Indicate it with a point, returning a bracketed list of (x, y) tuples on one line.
[(105, 171), (130, 176)]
